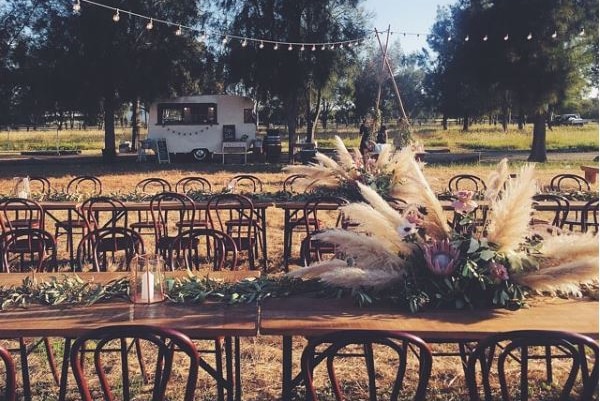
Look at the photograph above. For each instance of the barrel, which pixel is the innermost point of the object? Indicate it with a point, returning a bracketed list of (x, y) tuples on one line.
[(272, 145)]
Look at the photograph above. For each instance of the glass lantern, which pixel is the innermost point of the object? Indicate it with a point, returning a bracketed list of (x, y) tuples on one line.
[(147, 279)]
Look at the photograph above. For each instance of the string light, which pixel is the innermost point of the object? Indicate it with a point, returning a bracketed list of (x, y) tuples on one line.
[(77, 6), (582, 32), (276, 46), (203, 36), (323, 47), (262, 45), (506, 37), (529, 36), (178, 32), (290, 47), (116, 16), (302, 48), (225, 39), (554, 35), (485, 38), (449, 38), (244, 43), (150, 25), (313, 48), (467, 38)]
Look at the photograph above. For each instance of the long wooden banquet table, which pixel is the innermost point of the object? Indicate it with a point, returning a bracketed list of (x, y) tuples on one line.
[(206, 320), (302, 316), (72, 210)]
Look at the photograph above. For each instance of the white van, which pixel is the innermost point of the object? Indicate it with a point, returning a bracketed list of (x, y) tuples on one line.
[(200, 125)]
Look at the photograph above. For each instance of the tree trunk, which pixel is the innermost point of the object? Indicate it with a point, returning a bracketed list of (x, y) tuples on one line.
[(109, 152), (521, 123), (292, 115), (538, 145), (135, 123), (465, 127), (445, 122), (315, 120)]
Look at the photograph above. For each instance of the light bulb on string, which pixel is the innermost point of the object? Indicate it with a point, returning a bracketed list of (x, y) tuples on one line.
[(77, 6), (323, 47), (203, 36), (116, 17), (332, 46), (449, 38), (302, 48), (582, 32), (290, 47), (467, 38), (313, 48), (262, 45), (505, 37), (225, 39), (244, 43), (178, 32), (357, 43), (529, 36), (554, 35), (485, 38), (150, 24), (276, 46)]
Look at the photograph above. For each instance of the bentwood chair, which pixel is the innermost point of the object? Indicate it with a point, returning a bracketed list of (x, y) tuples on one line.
[(466, 182), (498, 359), (569, 182), (245, 183), (318, 214), (35, 249), (150, 187), (107, 247), (555, 218), (40, 185), (234, 215), (218, 243), (589, 216), (162, 350), (85, 184), (297, 183), (192, 183), (10, 375), (18, 213), (400, 349)]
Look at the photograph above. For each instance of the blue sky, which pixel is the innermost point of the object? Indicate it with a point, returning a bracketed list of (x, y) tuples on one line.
[(415, 16)]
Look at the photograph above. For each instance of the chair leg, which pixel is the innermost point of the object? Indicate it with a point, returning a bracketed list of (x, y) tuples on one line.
[(219, 367), (25, 369), (51, 360)]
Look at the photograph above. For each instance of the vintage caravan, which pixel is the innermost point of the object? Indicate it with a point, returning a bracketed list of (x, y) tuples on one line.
[(203, 125)]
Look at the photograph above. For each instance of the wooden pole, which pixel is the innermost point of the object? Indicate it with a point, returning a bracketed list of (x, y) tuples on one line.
[(381, 74)]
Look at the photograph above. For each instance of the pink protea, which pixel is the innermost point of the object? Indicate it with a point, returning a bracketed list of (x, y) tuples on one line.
[(441, 258), (498, 272), (464, 203)]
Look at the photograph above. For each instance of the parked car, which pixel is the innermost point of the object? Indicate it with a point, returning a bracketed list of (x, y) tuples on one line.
[(568, 119)]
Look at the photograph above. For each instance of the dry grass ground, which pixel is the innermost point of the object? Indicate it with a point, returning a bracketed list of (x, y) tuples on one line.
[(261, 357)]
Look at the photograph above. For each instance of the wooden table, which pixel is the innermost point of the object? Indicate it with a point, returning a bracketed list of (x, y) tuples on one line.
[(207, 320), (301, 316)]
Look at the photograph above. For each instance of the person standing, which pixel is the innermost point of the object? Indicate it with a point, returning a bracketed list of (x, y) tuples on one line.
[(365, 136)]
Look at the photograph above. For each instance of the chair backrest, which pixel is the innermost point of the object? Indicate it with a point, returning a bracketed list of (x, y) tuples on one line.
[(96, 246), (466, 182), (296, 183), (18, 213), (194, 183), (564, 182), (85, 184), (496, 354), (160, 345), (589, 216), (153, 185), (40, 185), (37, 244), (322, 206), (102, 212), (245, 183), (165, 204), (366, 345), (558, 202), (231, 213), (185, 247), (10, 374)]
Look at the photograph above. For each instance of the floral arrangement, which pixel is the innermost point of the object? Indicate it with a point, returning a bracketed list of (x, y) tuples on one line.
[(417, 259)]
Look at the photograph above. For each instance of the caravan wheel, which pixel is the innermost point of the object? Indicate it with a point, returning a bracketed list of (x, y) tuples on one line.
[(200, 154)]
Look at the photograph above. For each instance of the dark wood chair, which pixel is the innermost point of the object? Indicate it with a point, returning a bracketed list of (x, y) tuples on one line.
[(589, 216), (569, 182), (168, 211), (10, 382), (40, 185), (150, 187), (498, 358), (234, 215), (466, 182), (35, 249), (160, 346), (297, 183), (194, 183), (364, 345), (245, 183), (219, 246), (109, 246), (319, 214), (85, 184), (558, 217), (18, 213)]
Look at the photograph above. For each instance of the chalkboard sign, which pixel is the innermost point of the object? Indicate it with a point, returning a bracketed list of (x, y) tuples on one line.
[(162, 152), (228, 133)]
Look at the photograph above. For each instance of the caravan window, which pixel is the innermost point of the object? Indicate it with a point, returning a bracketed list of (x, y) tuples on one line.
[(187, 113)]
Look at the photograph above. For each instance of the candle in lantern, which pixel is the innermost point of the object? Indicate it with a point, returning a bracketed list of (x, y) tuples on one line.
[(147, 286)]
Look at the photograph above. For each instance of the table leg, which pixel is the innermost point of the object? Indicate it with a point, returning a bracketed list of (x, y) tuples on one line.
[(238, 369), (286, 382), (286, 240), (62, 392), (263, 217)]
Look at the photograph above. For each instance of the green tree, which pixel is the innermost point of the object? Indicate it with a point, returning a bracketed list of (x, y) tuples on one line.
[(300, 73)]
